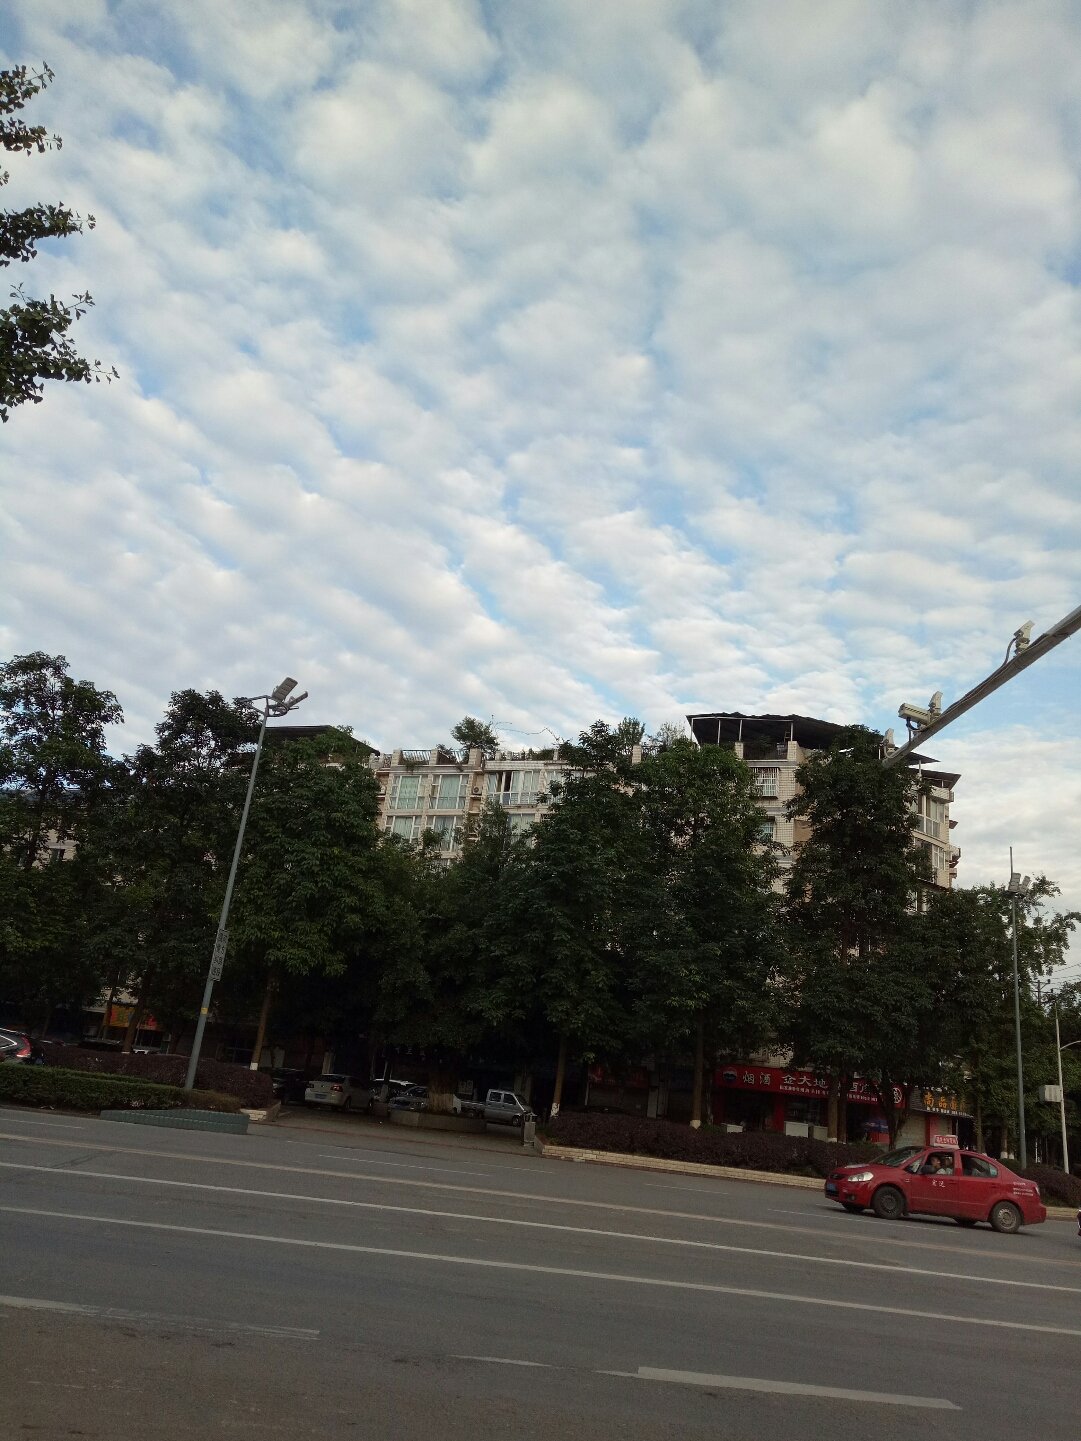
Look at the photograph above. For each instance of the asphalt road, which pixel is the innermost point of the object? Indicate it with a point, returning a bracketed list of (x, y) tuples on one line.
[(350, 1282)]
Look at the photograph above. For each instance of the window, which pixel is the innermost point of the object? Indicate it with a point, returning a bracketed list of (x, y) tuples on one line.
[(765, 781), (977, 1166), (767, 829), (514, 788), (448, 793), (521, 822), (446, 828), (408, 828), (406, 795)]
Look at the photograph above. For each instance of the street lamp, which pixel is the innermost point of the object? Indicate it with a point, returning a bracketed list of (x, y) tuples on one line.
[(277, 703), (1018, 887), (1061, 1093)]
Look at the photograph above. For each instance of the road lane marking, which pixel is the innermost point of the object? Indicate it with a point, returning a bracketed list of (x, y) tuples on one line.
[(518, 1196), (892, 1268), (505, 1361), (532, 1269), (33, 1121), (782, 1388), (155, 1318), (404, 1165)]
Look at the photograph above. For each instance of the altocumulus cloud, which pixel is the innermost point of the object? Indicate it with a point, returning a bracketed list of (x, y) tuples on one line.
[(556, 360)]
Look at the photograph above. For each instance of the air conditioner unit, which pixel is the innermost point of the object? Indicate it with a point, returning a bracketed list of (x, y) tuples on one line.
[(476, 790)]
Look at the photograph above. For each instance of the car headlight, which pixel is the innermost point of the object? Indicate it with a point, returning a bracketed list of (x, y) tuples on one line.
[(860, 1176)]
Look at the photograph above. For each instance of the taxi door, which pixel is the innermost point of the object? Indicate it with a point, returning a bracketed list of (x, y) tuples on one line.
[(934, 1192)]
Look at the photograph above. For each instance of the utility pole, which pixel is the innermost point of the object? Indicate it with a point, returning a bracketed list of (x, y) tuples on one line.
[(1018, 887), (925, 721)]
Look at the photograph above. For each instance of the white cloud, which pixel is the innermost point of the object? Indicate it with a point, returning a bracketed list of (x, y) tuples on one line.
[(562, 360)]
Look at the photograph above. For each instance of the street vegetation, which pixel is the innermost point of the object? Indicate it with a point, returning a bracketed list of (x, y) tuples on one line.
[(641, 922)]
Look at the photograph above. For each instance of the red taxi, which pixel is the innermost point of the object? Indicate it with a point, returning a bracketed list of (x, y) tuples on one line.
[(939, 1181)]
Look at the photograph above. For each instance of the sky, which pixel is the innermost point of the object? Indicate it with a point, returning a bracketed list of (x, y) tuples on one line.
[(559, 360)]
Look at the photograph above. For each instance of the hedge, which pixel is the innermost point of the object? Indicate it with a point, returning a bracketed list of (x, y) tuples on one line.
[(751, 1150), (77, 1091), (252, 1088), (1056, 1188)]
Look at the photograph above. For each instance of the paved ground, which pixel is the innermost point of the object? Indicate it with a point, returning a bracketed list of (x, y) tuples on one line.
[(336, 1279)]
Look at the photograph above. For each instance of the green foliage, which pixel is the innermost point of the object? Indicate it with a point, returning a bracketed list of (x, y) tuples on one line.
[(81, 1091), (34, 341), (167, 843), (55, 784), (474, 734)]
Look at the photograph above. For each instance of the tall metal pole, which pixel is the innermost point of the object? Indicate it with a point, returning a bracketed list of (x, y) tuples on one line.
[(1061, 1098), (1017, 1029), (222, 938)]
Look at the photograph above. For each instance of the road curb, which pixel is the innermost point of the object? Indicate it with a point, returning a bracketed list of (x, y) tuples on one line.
[(679, 1168)]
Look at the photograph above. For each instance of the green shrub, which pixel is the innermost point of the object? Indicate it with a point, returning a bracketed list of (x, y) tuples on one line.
[(1056, 1188), (752, 1150), (83, 1091), (253, 1088)]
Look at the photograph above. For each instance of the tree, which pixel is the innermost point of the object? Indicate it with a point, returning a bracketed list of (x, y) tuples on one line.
[(307, 896), (560, 916), (849, 893), (437, 983), (34, 341), (474, 734), (55, 780), (171, 831), (705, 952)]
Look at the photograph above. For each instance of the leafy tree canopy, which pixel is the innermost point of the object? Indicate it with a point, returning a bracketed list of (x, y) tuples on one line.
[(34, 342), (474, 734)]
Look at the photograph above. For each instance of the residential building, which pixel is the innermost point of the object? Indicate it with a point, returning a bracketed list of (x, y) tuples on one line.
[(439, 790), (775, 746)]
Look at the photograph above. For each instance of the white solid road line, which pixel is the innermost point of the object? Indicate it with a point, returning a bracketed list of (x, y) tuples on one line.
[(529, 1268), (782, 1388), (33, 1121), (505, 1361), (403, 1165), (155, 1318), (678, 1242)]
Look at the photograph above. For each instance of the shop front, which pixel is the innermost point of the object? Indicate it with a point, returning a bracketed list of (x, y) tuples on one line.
[(792, 1102)]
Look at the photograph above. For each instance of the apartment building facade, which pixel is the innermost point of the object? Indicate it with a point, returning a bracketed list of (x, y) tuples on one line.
[(775, 746), (439, 790)]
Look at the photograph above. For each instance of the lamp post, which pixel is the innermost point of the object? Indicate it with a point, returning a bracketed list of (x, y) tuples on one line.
[(1018, 887), (1061, 1093), (277, 703)]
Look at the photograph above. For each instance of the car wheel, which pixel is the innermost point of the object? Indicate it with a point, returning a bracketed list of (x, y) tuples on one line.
[(1005, 1217), (347, 1104), (888, 1203), (964, 1220), (852, 1206)]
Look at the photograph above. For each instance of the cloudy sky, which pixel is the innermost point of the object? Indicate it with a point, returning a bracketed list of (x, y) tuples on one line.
[(566, 359)]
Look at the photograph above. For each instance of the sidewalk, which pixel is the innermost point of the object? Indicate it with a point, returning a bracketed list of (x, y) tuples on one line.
[(359, 1130)]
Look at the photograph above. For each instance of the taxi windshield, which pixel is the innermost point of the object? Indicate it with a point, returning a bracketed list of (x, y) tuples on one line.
[(900, 1156)]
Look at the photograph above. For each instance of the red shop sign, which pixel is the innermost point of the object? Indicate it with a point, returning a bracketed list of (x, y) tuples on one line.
[(789, 1082)]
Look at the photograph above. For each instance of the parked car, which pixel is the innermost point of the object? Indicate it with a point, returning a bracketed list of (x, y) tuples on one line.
[(344, 1093), (17, 1046), (410, 1098), (507, 1109), (939, 1181), (289, 1084)]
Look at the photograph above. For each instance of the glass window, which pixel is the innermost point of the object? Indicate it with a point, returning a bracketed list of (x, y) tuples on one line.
[(446, 828), (407, 827), (449, 793), (406, 793), (978, 1166), (514, 788), (767, 829), (520, 822)]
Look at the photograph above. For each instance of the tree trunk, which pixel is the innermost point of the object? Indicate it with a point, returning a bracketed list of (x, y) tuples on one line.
[(137, 1012), (561, 1070), (699, 1066), (833, 1109), (264, 1016)]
